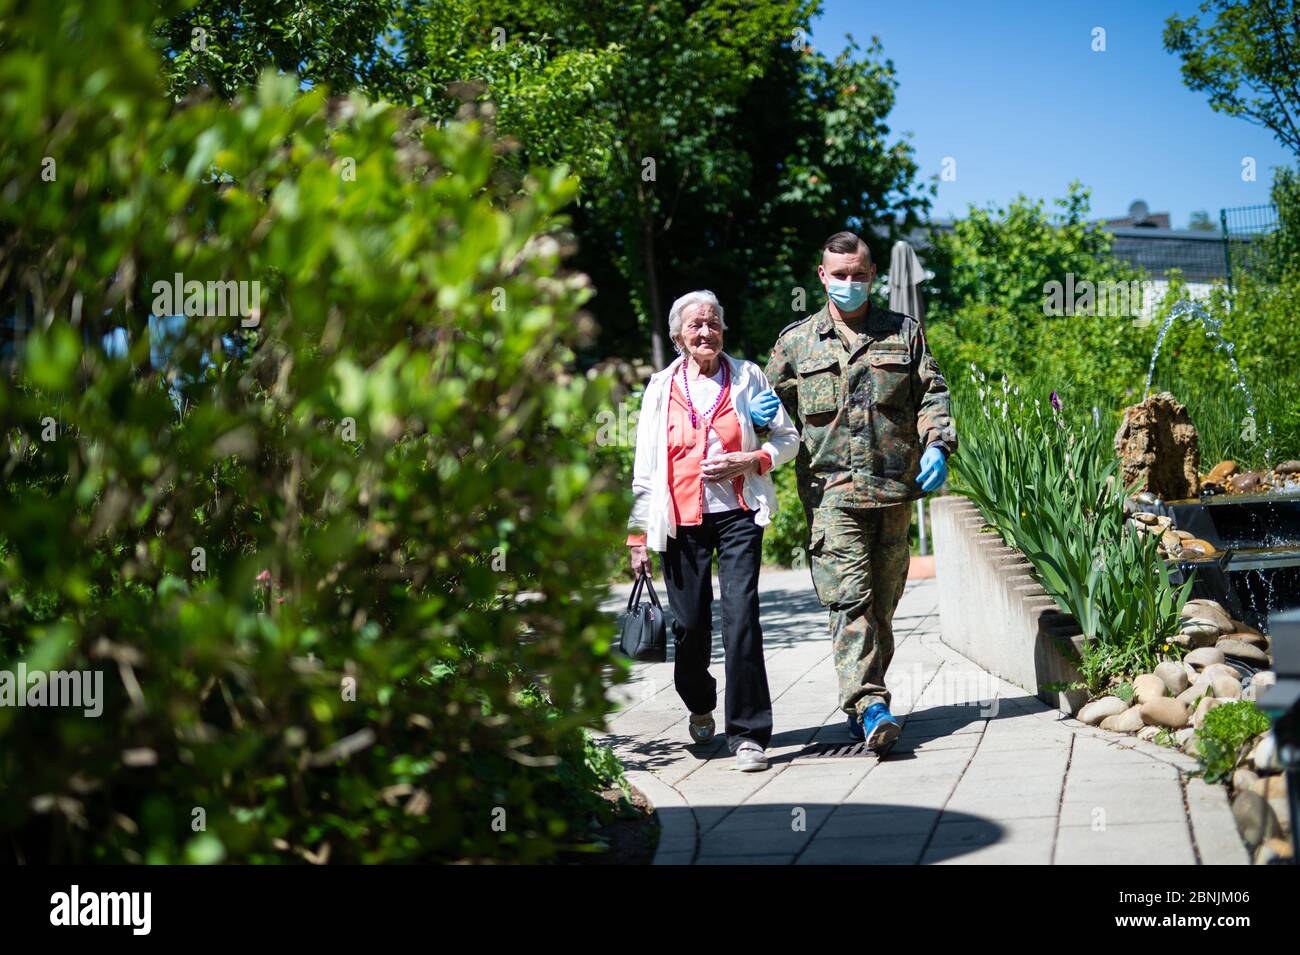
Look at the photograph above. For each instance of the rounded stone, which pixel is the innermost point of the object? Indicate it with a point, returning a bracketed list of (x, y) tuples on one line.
[(1207, 703), (1098, 710), (1173, 675), (1130, 721), (1194, 692), (1226, 688), (1256, 820), (1242, 651), (1148, 687), (1210, 611), (1204, 656), (1166, 711)]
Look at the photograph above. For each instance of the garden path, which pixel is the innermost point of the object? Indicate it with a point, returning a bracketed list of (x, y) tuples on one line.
[(983, 772)]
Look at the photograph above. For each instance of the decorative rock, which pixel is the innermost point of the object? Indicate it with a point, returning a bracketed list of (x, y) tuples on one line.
[(1245, 636), (1203, 657), (1264, 756), (1191, 745), (1243, 778), (1194, 692), (1146, 497), (1174, 676), (1226, 688), (1098, 710), (1164, 712), (1247, 483), (1148, 733), (1263, 679), (1241, 627), (1158, 448), (1288, 467), (1148, 687), (1207, 703), (1144, 517), (1170, 541), (1208, 610), (1271, 787), (1255, 818), (1242, 651), (1130, 721), (1273, 852), (1222, 471), (1184, 734), (1220, 669), (1198, 635), (1195, 547), (1184, 535)]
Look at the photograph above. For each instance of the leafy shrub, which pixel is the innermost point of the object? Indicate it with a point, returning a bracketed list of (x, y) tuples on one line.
[(1223, 736), (346, 602)]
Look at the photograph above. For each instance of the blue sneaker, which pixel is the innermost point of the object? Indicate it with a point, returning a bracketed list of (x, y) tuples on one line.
[(879, 728)]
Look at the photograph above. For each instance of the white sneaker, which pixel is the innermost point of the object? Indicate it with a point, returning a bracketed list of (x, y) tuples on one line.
[(750, 757), (701, 727)]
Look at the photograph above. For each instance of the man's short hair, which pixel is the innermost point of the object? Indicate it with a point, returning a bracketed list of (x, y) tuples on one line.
[(846, 243)]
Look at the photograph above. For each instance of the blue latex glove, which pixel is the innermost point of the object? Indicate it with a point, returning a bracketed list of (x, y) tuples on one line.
[(934, 469), (763, 408)]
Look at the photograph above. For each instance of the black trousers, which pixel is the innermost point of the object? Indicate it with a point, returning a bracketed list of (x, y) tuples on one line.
[(688, 569)]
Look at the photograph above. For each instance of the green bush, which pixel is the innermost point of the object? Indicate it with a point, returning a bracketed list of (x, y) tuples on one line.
[(1223, 735), (346, 602)]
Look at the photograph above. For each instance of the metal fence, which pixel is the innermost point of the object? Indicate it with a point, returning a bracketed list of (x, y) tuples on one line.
[(1243, 227)]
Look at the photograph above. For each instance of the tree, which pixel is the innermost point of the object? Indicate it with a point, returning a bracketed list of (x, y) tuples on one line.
[(1247, 59), (714, 146)]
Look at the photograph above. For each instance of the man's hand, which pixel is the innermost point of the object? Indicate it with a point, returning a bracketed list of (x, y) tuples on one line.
[(729, 465), (640, 561), (763, 408), (934, 469)]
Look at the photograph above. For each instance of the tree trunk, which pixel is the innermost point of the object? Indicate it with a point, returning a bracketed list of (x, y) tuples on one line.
[(654, 305)]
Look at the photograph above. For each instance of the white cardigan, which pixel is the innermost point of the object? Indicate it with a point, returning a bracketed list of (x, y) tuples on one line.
[(652, 508)]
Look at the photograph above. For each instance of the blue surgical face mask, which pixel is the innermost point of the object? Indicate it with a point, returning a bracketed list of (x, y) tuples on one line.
[(848, 295)]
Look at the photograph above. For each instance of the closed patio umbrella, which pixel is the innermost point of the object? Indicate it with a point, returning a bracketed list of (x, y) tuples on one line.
[(905, 277)]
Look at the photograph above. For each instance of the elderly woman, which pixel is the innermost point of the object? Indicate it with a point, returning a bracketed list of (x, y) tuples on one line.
[(702, 488)]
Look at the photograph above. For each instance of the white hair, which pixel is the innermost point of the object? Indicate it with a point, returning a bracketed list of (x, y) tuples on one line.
[(699, 297)]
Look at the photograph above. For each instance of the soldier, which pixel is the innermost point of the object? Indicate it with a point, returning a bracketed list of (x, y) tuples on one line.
[(876, 426)]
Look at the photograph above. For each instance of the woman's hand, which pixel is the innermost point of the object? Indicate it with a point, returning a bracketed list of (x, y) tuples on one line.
[(640, 561), (729, 465)]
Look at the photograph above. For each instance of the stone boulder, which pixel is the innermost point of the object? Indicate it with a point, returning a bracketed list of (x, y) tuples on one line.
[(1158, 447)]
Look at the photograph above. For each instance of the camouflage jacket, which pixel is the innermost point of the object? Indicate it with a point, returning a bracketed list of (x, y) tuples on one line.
[(866, 409)]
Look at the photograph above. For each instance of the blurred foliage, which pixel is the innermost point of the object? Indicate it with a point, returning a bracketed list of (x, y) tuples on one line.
[(383, 488)]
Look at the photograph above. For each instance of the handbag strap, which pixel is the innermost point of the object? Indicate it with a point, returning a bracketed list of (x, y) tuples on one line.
[(636, 591), (650, 588)]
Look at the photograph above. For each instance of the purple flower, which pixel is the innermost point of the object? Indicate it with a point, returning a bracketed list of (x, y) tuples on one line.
[(1056, 401)]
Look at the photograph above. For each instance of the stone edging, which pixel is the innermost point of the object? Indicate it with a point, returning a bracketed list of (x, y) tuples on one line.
[(994, 612)]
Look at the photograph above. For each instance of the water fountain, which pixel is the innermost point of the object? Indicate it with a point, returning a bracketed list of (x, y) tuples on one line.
[(1254, 567)]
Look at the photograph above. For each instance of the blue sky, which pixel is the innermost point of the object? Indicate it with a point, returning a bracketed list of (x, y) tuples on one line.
[(1012, 90)]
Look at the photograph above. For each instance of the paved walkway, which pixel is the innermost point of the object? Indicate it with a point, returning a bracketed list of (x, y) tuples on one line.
[(983, 772)]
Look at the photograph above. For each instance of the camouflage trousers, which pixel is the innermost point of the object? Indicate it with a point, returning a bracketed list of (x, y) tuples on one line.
[(859, 559)]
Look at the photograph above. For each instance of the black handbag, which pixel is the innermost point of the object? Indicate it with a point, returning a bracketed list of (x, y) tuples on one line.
[(643, 626)]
